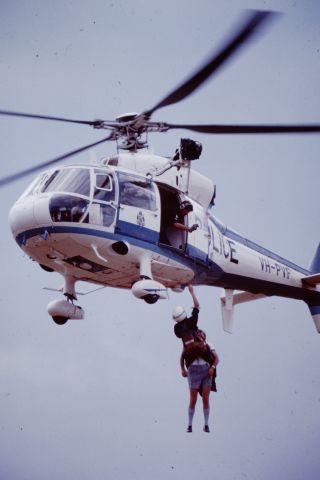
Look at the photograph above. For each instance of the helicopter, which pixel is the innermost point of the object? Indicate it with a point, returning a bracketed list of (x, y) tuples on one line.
[(112, 222)]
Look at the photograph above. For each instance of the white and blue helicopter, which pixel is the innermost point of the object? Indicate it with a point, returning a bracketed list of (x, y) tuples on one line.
[(112, 223)]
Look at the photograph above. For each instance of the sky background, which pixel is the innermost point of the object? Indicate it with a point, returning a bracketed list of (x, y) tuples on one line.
[(104, 398)]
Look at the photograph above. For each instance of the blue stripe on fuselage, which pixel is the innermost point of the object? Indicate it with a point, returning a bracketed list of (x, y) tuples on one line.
[(268, 288), (190, 258), (133, 230), (315, 310), (206, 271)]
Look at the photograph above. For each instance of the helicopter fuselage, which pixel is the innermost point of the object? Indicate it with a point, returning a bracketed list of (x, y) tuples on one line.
[(110, 225)]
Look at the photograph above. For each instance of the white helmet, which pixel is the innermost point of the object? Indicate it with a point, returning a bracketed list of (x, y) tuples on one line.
[(179, 314)]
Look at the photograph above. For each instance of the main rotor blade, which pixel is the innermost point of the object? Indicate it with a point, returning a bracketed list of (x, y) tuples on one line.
[(247, 129), (16, 176), (47, 117), (254, 20)]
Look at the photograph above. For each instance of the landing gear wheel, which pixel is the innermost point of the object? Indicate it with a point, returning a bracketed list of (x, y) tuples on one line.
[(151, 298), (63, 310), (60, 320), (47, 269)]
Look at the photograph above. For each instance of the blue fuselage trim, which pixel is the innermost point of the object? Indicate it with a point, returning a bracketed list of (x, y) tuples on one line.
[(136, 231), (206, 272), (268, 288), (315, 310), (193, 258)]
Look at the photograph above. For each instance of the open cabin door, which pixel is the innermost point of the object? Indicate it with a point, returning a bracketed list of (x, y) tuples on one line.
[(139, 213), (170, 207), (194, 244)]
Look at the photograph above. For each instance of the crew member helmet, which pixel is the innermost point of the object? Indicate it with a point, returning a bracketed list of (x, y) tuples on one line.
[(186, 205), (179, 314)]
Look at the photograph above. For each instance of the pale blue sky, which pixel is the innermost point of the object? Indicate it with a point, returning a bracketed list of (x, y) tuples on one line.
[(103, 398)]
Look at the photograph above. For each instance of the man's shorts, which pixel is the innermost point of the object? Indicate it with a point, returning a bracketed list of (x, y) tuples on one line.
[(198, 376)]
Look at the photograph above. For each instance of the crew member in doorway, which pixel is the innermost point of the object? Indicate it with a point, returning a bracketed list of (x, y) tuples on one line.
[(178, 221)]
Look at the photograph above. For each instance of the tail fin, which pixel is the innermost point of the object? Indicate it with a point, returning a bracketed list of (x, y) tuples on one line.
[(315, 264), (315, 269), (315, 313)]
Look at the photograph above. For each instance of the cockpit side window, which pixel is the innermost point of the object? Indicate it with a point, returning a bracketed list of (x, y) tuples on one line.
[(67, 208), (103, 188), (70, 180), (137, 192)]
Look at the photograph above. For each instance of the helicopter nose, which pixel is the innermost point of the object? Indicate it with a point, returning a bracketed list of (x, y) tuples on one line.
[(28, 213), (21, 216)]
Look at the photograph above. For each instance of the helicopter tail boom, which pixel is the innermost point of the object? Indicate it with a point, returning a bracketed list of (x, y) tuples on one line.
[(314, 280)]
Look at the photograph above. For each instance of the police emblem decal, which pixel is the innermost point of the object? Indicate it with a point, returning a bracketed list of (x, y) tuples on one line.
[(140, 219)]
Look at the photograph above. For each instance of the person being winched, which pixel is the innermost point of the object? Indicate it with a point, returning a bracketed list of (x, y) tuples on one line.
[(198, 359)]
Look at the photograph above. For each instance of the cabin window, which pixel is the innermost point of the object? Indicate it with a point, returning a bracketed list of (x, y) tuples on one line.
[(137, 192), (103, 188), (66, 208), (102, 214), (71, 180)]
